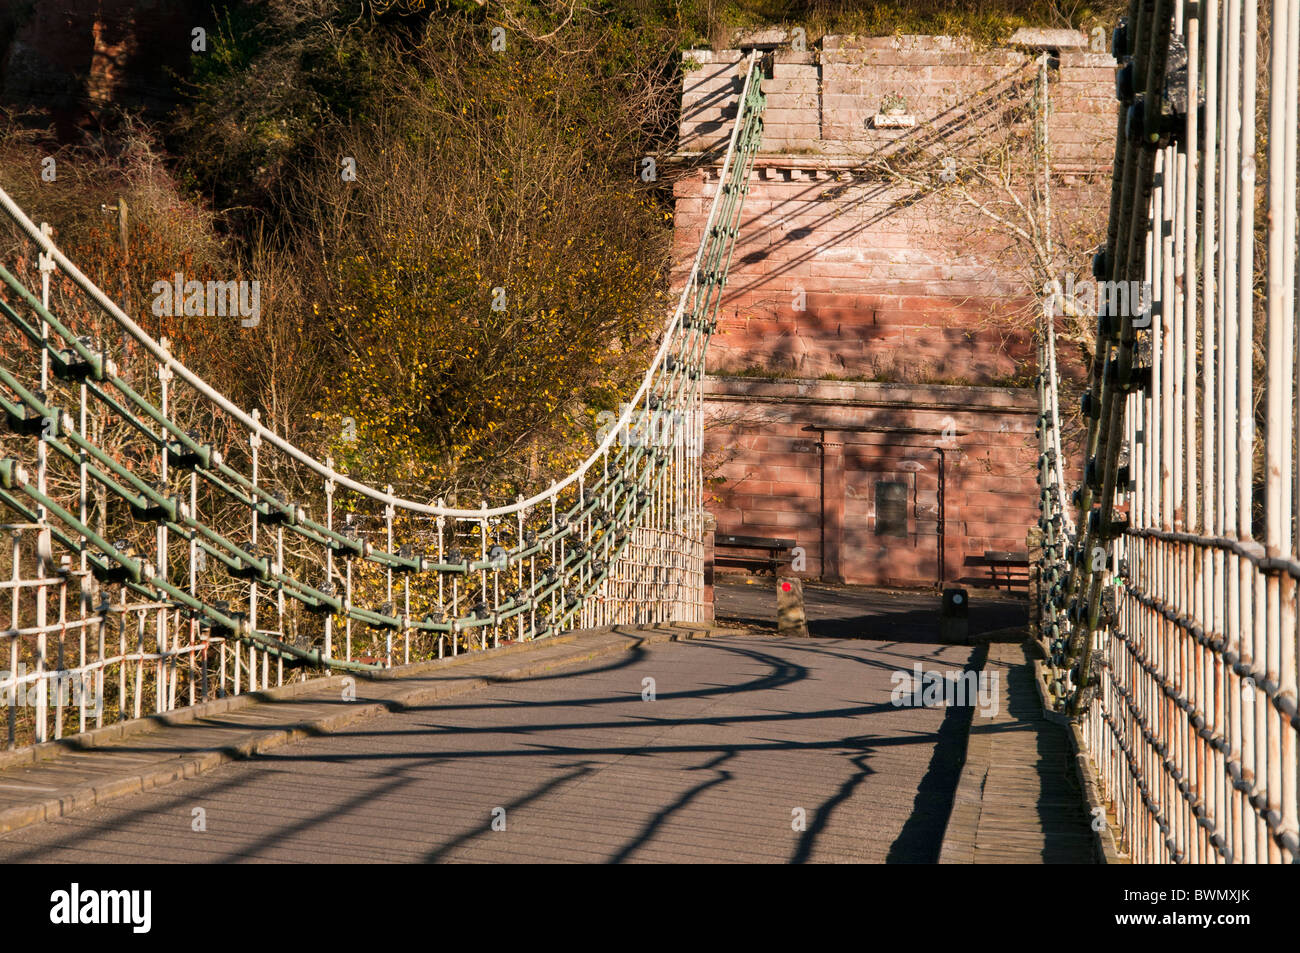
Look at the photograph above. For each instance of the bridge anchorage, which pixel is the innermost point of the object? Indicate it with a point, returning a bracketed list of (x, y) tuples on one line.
[(1167, 573)]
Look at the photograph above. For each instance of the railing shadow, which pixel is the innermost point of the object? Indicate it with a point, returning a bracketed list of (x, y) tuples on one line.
[(392, 756)]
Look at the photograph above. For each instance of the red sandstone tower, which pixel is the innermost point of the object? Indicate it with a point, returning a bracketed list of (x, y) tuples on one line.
[(870, 395)]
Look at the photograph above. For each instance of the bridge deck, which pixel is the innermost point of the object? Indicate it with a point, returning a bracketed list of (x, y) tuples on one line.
[(1018, 801), (743, 731)]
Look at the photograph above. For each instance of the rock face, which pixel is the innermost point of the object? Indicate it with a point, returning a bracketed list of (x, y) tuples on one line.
[(76, 59)]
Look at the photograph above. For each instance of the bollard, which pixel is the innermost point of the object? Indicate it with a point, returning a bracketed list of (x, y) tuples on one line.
[(954, 627), (790, 618)]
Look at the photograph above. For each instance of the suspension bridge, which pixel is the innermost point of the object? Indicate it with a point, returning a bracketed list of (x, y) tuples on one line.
[(1170, 569), (1164, 605)]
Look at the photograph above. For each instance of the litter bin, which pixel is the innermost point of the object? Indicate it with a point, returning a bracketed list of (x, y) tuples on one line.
[(954, 626)]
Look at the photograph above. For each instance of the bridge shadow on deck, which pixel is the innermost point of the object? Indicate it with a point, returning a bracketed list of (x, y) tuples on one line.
[(550, 736), (1062, 820), (392, 761)]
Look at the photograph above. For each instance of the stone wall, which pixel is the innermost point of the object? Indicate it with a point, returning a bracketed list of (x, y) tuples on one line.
[(819, 102), (804, 460), (839, 273)]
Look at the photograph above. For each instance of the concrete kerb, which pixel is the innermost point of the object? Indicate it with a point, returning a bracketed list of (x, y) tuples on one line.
[(97, 737), (85, 796)]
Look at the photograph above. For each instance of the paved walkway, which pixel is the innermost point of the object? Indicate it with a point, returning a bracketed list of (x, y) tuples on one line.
[(51, 780), (855, 612), (753, 749), (1019, 800)]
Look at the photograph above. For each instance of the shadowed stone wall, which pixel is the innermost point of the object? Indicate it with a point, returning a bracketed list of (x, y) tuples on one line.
[(840, 273)]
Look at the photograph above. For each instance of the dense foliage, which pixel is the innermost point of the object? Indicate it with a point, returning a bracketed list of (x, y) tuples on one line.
[(460, 266)]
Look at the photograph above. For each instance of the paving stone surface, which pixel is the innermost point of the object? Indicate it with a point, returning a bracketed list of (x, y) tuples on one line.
[(1019, 800), (743, 734)]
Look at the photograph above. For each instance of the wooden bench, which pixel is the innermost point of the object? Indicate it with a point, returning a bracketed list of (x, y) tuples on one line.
[(777, 551), (996, 560)]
